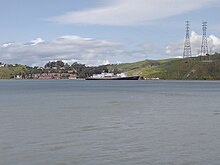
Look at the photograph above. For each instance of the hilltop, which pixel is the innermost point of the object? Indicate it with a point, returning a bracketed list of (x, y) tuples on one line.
[(195, 68), (9, 71)]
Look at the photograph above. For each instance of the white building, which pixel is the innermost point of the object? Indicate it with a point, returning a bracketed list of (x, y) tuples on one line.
[(2, 65)]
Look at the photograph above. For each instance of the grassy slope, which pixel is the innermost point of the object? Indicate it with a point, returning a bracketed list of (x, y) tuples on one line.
[(8, 72), (131, 66), (178, 69)]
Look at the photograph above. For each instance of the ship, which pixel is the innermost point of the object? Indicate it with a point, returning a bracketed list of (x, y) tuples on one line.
[(111, 76), (115, 78)]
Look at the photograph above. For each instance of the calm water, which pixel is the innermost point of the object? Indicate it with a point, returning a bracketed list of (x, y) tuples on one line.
[(109, 122)]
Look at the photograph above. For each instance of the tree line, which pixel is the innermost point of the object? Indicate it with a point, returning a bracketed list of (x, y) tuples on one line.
[(81, 70)]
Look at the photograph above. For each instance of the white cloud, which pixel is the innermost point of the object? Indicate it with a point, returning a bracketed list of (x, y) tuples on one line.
[(5, 45), (176, 49), (36, 41), (68, 48), (71, 48), (131, 12), (91, 51)]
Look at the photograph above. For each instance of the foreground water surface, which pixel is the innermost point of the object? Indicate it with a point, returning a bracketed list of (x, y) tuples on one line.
[(109, 122)]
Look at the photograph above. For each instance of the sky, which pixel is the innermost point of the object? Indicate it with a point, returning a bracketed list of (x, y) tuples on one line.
[(96, 32)]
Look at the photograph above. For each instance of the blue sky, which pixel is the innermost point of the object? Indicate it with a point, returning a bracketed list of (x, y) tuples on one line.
[(102, 31)]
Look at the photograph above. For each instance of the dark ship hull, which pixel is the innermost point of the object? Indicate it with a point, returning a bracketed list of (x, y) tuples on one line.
[(115, 78)]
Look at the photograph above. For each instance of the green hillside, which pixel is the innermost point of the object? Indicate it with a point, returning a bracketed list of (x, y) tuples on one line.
[(10, 71), (197, 68)]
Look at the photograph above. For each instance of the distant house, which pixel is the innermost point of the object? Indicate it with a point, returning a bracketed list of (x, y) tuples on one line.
[(73, 77), (2, 65), (70, 71), (18, 77), (49, 76)]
